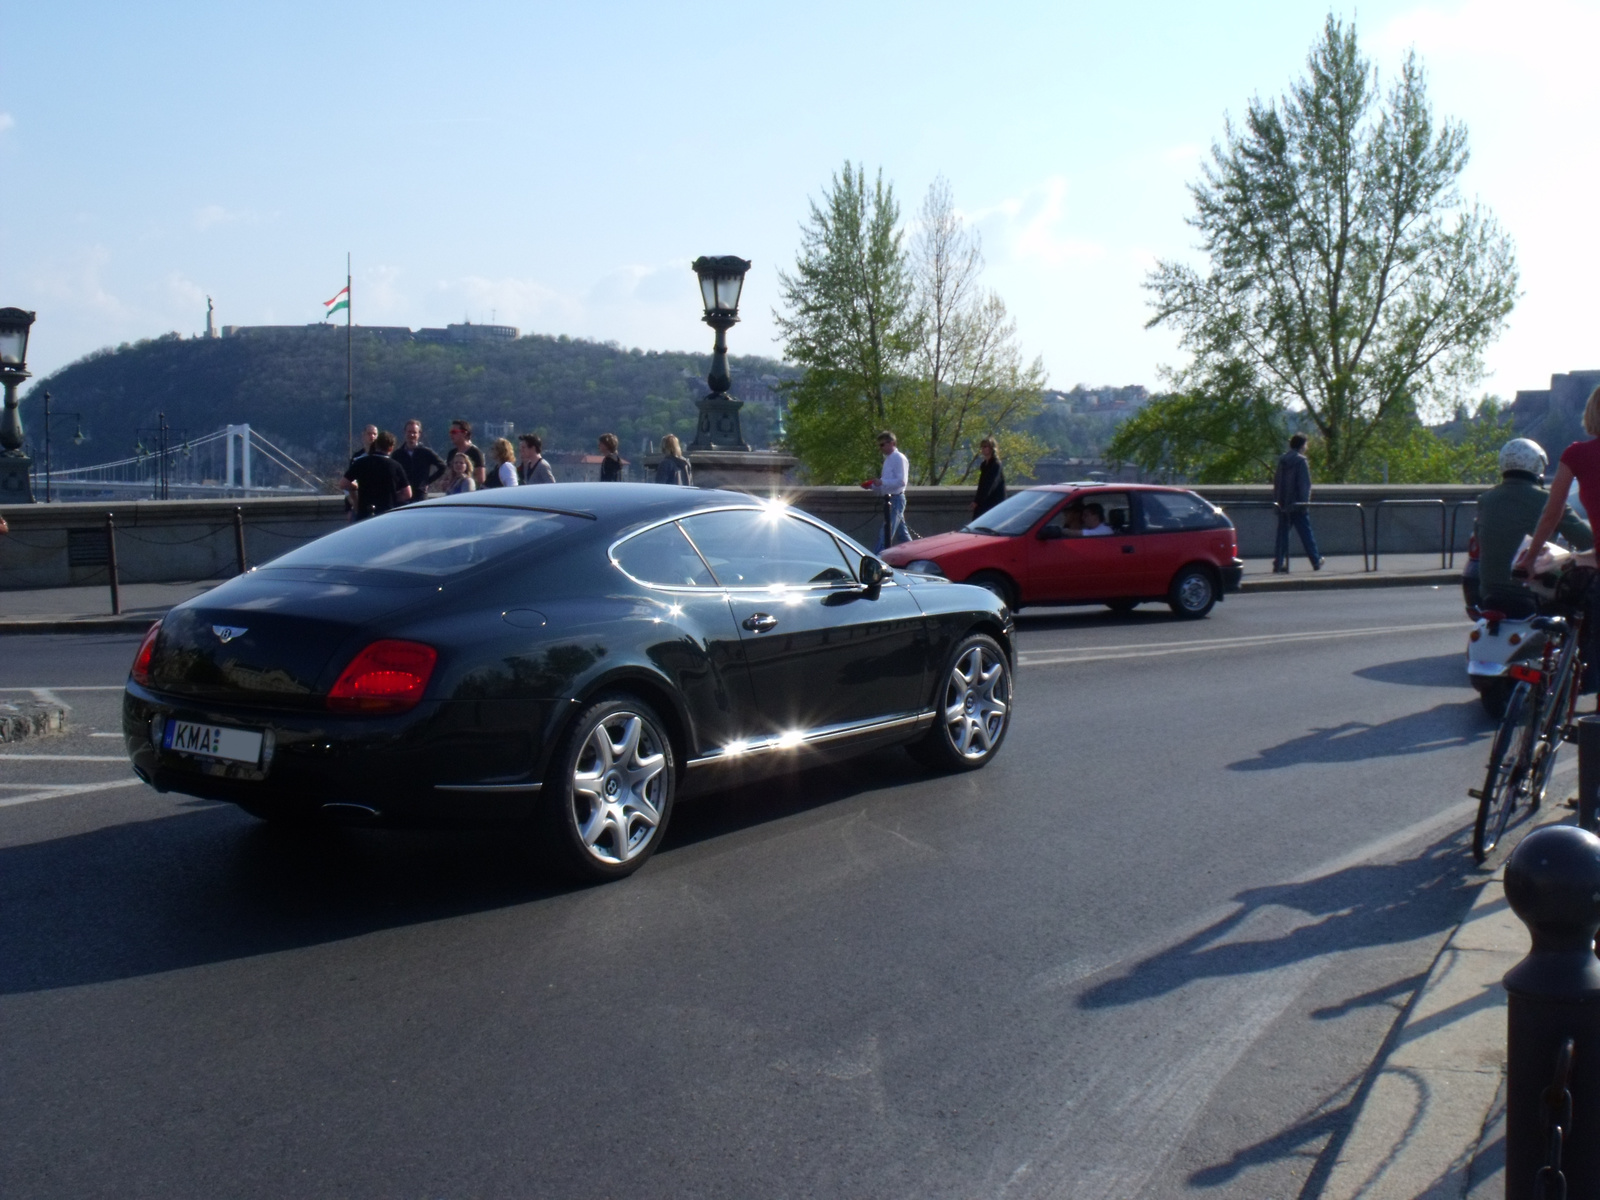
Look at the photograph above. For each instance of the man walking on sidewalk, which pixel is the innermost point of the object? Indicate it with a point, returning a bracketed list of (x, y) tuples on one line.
[(892, 487), (1291, 492)]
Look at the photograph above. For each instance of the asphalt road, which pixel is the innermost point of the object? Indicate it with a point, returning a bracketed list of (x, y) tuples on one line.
[(1150, 951)]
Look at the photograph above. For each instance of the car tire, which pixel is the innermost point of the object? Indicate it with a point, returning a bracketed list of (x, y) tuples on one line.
[(1193, 593), (1122, 607), (972, 707), (1493, 694), (608, 794), (998, 584)]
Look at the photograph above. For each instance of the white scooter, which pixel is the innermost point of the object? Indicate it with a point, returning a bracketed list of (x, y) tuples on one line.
[(1501, 648)]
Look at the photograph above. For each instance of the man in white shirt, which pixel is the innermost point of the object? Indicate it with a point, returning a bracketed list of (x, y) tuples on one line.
[(1094, 521), (892, 487)]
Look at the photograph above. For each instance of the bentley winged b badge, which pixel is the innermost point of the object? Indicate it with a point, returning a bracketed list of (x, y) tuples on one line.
[(226, 633)]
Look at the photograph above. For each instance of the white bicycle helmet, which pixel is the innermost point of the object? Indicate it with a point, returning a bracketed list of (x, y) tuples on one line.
[(1522, 454)]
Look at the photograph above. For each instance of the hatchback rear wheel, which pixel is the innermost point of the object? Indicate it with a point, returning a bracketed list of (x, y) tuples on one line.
[(1193, 592)]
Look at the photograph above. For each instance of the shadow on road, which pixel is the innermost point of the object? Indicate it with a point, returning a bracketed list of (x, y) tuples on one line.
[(1439, 670), (1370, 904), (210, 884), (1442, 727)]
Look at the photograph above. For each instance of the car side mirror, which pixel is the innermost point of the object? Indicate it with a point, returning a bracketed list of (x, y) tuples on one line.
[(873, 571), (1051, 532)]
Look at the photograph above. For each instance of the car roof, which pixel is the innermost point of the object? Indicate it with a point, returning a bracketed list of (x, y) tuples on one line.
[(603, 501), (1107, 484)]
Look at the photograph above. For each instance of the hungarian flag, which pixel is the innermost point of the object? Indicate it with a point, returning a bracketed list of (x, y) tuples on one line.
[(340, 300)]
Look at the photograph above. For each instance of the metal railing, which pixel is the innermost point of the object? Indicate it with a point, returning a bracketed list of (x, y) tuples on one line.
[(1367, 563), (1377, 512)]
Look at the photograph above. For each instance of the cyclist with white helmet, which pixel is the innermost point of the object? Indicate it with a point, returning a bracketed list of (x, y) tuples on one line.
[(1510, 512)]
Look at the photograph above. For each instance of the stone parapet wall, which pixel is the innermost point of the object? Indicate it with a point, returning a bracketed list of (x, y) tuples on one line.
[(165, 541)]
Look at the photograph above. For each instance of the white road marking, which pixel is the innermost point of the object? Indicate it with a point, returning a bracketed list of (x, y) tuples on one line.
[(87, 687), (55, 792), (1071, 654), (115, 735), (121, 758)]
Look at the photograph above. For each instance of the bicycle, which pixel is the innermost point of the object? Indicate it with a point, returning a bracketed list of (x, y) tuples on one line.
[(1538, 715)]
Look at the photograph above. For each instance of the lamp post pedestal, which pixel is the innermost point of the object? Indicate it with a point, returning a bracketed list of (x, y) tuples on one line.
[(16, 468)]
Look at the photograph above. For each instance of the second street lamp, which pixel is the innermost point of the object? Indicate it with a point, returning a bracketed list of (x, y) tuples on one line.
[(721, 281), (77, 440)]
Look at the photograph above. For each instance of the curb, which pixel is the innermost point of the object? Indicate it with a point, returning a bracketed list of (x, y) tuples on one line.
[(1316, 583), (123, 624)]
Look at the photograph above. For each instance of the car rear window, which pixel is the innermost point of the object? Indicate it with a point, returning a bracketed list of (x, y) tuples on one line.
[(1174, 512), (1016, 514), (428, 542)]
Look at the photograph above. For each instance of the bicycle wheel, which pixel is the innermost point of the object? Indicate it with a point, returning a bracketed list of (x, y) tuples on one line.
[(1509, 762)]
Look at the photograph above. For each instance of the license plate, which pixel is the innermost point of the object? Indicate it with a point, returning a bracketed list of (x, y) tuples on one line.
[(213, 741)]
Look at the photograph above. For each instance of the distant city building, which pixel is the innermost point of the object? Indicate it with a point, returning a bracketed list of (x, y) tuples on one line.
[(1098, 400), (1553, 416), (468, 332)]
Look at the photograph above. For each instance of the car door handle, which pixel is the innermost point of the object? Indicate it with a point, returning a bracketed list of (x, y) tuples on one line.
[(760, 622), (1127, 549)]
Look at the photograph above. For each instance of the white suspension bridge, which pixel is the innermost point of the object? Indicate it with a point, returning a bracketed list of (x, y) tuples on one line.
[(233, 461)]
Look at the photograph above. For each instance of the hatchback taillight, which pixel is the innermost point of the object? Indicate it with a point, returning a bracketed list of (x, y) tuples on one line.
[(147, 651), (388, 676)]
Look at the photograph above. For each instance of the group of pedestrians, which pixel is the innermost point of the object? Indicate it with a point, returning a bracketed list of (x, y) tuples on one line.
[(383, 474)]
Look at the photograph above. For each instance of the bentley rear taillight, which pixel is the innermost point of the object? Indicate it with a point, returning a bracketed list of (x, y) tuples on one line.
[(387, 677), (147, 651)]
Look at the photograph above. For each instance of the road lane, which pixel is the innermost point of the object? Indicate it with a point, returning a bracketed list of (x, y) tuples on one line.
[(1148, 951)]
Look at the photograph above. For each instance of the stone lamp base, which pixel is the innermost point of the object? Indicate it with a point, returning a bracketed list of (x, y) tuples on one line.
[(16, 479)]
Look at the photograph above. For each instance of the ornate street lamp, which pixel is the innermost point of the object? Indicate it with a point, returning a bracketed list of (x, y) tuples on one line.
[(721, 280), (14, 465)]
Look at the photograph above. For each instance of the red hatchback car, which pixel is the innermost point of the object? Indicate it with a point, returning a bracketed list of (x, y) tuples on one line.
[(1090, 543)]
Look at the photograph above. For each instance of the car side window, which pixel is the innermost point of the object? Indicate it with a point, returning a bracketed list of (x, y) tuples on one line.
[(663, 556), (1174, 512), (766, 548), (1096, 515)]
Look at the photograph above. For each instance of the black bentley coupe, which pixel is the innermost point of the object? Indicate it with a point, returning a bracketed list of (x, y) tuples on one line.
[(570, 657)]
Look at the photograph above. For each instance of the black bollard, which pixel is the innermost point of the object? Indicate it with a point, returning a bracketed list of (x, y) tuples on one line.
[(1589, 773), (1553, 885), (111, 565), (238, 538)]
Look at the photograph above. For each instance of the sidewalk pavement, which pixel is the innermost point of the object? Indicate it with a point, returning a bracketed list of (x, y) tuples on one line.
[(88, 609), (1431, 1122)]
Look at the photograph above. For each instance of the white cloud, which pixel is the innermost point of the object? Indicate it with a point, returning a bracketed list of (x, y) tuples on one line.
[(7, 121), (211, 215), (1035, 227)]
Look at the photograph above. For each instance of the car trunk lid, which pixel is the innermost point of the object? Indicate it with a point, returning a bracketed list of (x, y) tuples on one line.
[(269, 646)]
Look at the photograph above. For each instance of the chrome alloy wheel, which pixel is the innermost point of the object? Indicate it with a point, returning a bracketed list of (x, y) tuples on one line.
[(977, 702), (619, 787)]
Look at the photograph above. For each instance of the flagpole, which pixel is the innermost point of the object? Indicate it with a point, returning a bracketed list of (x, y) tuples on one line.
[(349, 369)]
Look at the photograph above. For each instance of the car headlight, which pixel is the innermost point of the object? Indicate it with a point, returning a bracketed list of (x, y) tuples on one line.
[(924, 566)]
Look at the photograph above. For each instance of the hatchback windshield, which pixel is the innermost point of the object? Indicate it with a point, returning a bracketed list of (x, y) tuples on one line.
[(1015, 514), (428, 542)]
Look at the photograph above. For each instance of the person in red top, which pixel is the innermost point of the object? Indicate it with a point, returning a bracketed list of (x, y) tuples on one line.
[(1579, 461)]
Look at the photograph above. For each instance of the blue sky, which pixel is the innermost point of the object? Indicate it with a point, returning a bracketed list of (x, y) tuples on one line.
[(557, 167)]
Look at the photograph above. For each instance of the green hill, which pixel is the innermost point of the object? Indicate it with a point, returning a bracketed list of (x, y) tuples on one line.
[(290, 386)]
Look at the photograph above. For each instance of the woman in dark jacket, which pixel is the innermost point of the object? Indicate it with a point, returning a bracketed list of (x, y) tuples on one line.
[(611, 464), (991, 479), (673, 467)]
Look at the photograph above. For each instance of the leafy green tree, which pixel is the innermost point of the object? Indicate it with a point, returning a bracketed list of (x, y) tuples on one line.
[(968, 376), (849, 321), (1223, 430), (1346, 273)]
